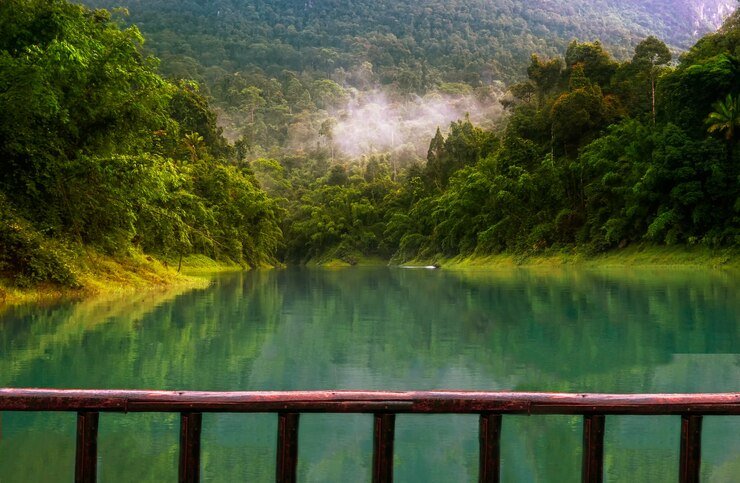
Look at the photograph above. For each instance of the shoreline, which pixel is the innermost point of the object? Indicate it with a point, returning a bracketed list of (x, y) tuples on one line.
[(116, 277), (637, 256), (633, 256)]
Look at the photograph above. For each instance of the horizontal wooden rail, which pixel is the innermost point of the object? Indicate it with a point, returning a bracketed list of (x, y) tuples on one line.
[(429, 402), (490, 406)]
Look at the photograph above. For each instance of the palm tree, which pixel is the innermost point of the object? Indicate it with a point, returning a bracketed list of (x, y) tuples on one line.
[(725, 118)]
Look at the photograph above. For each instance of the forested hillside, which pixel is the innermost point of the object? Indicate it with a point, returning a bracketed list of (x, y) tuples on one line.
[(283, 73), (100, 154), (412, 44), (596, 154)]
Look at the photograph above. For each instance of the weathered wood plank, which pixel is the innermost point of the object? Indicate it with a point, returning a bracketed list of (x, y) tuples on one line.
[(190, 428), (593, 449), (385, 428), (86, 458), (690, 459), (489, 435), (287, 447), (368, 402)]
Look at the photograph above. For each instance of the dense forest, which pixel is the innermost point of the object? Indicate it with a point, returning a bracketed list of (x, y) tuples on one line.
[(99, 152), (595, 153), (412, 44), (278, 70)]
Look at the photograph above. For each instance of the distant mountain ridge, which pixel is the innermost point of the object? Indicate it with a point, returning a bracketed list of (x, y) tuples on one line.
[(709, 14), (407, 43), (692, 17)]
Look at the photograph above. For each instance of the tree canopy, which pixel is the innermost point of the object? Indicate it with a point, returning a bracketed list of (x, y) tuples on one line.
[(99, 150)]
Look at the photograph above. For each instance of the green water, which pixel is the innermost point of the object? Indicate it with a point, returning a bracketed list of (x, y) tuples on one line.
[(383, 328)]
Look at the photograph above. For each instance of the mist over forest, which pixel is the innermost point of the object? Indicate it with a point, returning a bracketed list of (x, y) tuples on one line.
[(374, 121), (396, 71)]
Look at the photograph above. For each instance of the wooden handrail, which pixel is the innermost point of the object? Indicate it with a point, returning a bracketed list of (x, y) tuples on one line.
[(427, 402), (384, 405)]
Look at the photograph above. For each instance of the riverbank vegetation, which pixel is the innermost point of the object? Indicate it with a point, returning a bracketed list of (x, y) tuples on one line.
[(102, 158), (631, 257), (595, 154), (100, 154), (109, 276)]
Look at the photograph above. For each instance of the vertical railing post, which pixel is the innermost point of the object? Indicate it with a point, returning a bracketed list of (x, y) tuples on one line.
[(383, 447), (592, 470), (287, 447), (190, 426), (489, 435), (690, 449), (86, 458)]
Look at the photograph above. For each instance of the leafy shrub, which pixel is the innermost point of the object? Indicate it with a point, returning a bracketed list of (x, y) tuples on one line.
[(27, 257)]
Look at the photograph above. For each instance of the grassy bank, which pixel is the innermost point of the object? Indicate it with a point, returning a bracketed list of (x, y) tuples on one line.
[(637, 255), (102, 275)]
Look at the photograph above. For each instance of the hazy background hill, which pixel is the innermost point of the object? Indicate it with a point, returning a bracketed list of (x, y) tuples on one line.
[(300, 74), (414, 45)]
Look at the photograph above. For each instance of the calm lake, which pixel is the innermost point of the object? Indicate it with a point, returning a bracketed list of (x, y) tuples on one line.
[(600, 330)]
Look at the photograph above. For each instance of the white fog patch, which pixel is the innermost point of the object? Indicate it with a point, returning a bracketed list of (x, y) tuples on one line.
[(376, 122), (373, 123)]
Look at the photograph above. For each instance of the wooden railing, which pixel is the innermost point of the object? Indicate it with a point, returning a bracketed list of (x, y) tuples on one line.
[(490, 406)]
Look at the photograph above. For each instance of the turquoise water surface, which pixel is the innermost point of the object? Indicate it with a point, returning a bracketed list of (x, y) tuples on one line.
[(577, 330)]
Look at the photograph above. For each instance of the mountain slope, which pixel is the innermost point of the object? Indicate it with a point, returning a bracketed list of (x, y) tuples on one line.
[(412, 44)]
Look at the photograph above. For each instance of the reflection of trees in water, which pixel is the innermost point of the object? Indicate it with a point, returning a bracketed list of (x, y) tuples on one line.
[(538, 329), (558, 326)]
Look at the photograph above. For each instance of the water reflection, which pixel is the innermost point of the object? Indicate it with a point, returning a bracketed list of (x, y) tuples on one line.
[(616, 330)]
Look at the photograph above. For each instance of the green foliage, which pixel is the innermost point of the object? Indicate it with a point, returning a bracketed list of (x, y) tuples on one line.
[(580, 163), (101, 151), (650, 53), (465, 145), (688, 93), (578, 116), (340, 214), (412, 45), (27, 257), (725, 118), (614, 164), (241, 221), (595, 62), (544, 75), (193, 115), (273, 66), (84, 92)]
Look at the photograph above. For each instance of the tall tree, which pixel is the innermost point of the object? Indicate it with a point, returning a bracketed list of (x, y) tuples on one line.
[(598, 66), (650, 55), (545, 74), (436, 157)]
